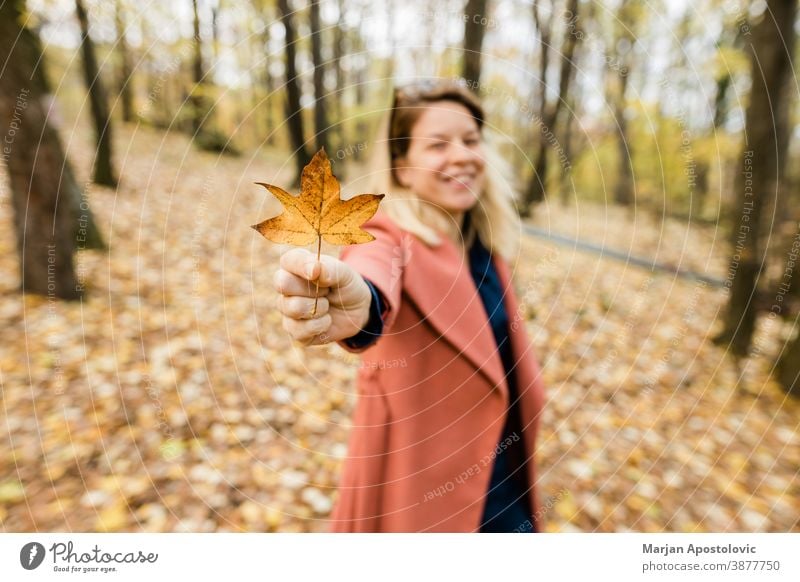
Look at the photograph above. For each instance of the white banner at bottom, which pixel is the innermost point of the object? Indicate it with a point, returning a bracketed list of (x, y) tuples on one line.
[(400, 557)]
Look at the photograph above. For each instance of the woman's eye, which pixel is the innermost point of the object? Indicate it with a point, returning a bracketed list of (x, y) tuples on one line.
[(472, 141), (438, 145)]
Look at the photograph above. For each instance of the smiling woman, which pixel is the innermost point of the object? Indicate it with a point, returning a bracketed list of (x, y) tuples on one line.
[(445, 442), (436, 136), (444, 161)]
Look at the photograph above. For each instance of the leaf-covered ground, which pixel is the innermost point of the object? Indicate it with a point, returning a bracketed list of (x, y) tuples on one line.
[(171, 400)]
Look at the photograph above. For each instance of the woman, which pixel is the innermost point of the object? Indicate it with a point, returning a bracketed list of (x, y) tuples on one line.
[(449, 392)]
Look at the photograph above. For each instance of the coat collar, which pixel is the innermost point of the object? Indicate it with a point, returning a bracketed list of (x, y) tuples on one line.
[(438, 281)]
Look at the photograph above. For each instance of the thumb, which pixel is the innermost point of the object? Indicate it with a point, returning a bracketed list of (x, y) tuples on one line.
[(301, 262)]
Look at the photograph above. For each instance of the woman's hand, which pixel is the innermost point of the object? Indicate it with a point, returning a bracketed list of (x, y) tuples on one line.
[(344, 298)]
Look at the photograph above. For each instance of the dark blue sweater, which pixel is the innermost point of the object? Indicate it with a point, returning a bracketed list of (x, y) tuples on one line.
[(507, 506)]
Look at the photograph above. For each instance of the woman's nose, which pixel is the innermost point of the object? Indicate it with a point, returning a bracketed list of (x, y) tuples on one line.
[(461, 153)]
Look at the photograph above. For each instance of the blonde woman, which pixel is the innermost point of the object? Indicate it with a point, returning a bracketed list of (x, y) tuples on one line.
[(449, 393)]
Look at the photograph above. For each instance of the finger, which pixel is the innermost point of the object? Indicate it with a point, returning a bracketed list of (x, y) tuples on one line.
[(288, 284), (305, 330), (301, 307), (329, 271), (301, 262)]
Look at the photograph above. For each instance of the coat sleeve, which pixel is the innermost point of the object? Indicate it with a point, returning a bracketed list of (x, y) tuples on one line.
[(381, 261)]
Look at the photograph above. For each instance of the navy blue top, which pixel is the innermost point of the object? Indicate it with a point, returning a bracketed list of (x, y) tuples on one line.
[(507, 506)]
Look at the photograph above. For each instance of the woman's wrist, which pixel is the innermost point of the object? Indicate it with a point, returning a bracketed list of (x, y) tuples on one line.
[(366, 308), (371, 320)]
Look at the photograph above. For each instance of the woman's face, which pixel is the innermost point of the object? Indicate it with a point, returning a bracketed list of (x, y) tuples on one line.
[(444, 164)]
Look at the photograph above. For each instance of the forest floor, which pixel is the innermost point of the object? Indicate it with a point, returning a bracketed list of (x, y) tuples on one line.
[(170, 399)]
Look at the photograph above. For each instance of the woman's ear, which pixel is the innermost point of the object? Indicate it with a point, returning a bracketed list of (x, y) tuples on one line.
[(400, 172)]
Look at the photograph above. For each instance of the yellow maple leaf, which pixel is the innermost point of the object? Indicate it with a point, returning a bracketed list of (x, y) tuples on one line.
[(319, 212)]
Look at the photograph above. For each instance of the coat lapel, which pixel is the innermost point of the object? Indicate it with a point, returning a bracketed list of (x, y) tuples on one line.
[(438, 281)]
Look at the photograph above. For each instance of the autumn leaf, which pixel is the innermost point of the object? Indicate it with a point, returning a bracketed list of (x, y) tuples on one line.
[(318, 212)]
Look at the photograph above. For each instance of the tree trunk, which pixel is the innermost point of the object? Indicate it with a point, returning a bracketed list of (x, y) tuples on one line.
[(125, 75), (44, 232), (550, 112), (269, 113), (789, 368), (759, 185), (623, 189), (198, 75), (534, 193), (207, 136), (294, 114), (698, 203), (85, 229), (565, 182), (215, 32), (264, 82), (359, 84), (390, 22), (87, 233), (474, 28), (103, 170), (338, 53), (320, 117), (721, 99)]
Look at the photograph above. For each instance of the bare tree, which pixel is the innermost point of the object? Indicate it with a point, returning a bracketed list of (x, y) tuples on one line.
[(766, 138), (198, 73), (44, 229), (549, 112), (339, 41), (125, 74), (294, 114), (320, 117), (215, 29), (103, 169), (789, 367), (570, 142), (730, 36), (263, 82), (206, 136), (359, 82), (474, 29), (625, 38)]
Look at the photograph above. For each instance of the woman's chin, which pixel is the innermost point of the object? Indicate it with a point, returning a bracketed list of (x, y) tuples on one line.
[(462, 202)]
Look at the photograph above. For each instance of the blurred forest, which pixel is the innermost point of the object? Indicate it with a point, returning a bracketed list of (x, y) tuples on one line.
[(146, 382)]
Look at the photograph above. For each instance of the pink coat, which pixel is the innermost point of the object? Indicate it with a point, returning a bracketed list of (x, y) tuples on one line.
[(432, 393)]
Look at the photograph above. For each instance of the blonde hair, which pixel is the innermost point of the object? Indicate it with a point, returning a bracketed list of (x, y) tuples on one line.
[(494, 218)]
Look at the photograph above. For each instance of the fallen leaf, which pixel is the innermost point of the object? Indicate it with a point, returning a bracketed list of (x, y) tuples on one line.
[(11, 490)]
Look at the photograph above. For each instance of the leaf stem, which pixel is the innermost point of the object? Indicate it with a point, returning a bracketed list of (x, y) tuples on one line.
[(316, 292)]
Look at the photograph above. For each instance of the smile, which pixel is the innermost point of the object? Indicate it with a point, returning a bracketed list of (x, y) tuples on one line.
[(464, 179)]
